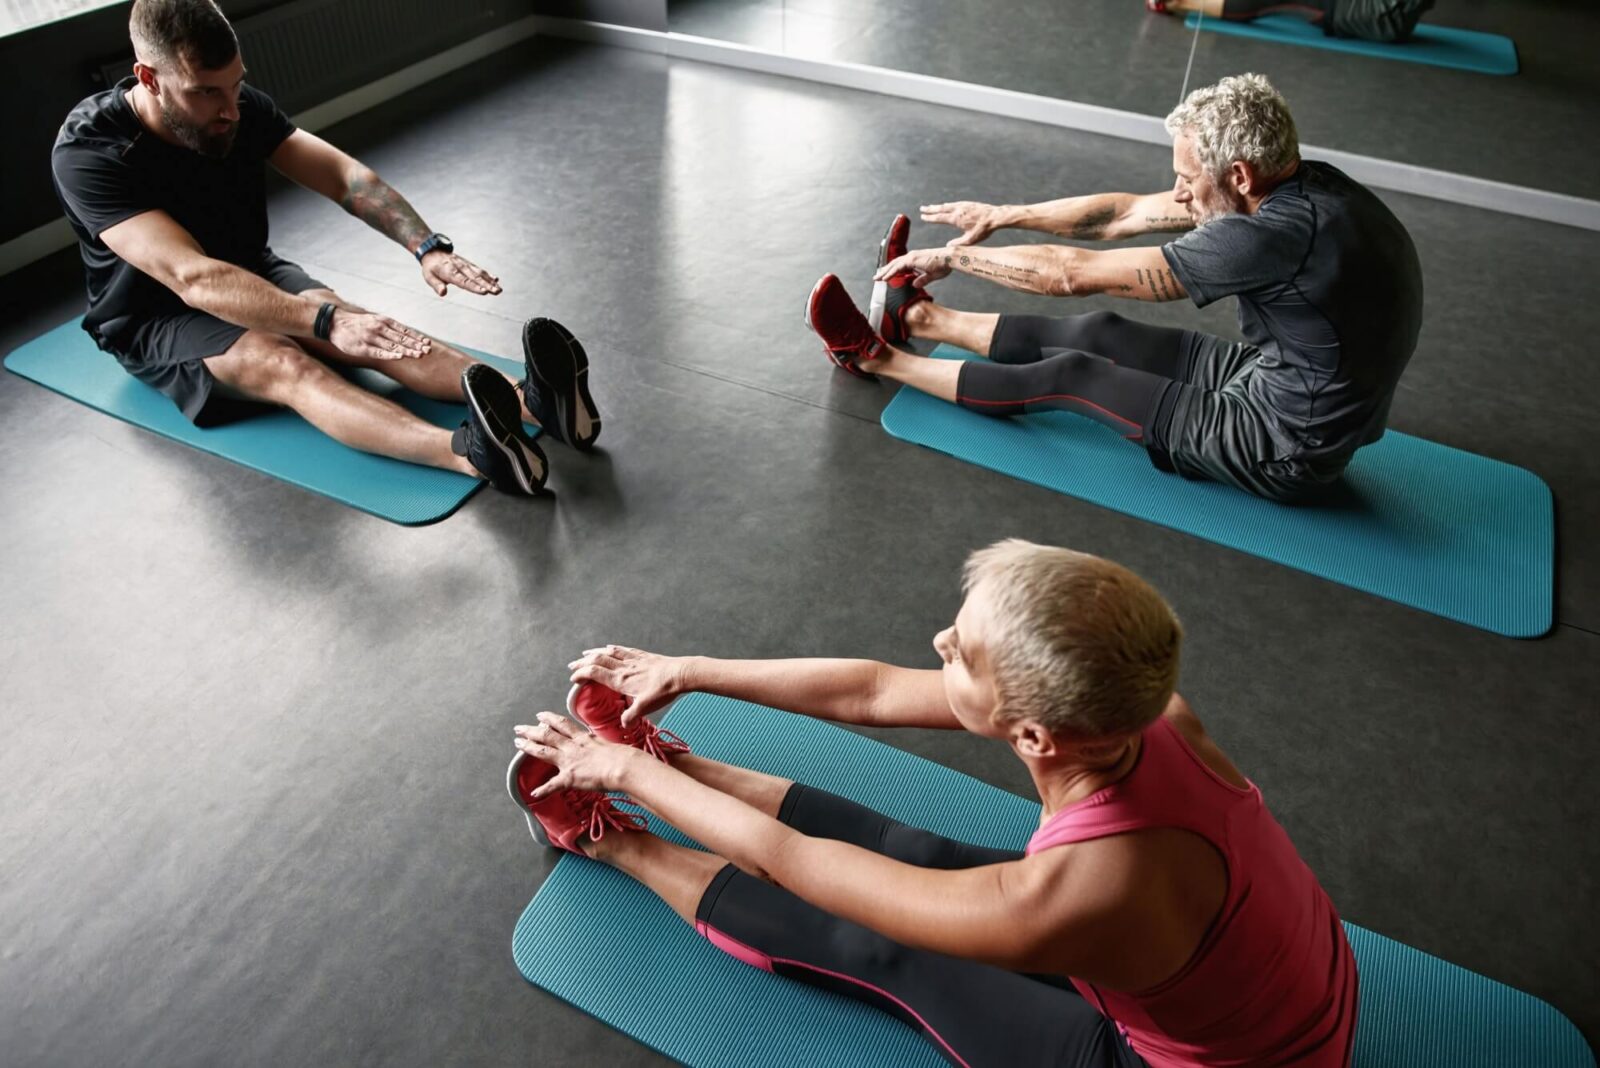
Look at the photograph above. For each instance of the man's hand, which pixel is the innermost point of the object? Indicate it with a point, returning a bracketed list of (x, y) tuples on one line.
[(441, 270), (584, 762), (376, 337), (647, 680), (931, 264), (975, 220)]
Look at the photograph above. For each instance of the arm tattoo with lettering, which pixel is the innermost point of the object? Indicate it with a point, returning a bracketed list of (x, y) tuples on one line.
[(1091, 225), (1154, 284), (371, 199), (1015, 276), (1168, 223)]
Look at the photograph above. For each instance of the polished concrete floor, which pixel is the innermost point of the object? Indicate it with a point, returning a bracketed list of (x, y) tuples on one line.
[(251, 808), (1534, 128)]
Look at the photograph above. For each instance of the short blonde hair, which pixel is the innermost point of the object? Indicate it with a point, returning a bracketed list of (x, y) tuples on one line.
[(1079, 643), (1239, 118)]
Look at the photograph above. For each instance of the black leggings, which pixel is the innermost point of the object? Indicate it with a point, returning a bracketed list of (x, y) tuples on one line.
[(976, 1015), (1124, 374)]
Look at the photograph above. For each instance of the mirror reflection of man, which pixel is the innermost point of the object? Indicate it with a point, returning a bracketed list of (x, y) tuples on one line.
[(1328, 284), (163, 180)]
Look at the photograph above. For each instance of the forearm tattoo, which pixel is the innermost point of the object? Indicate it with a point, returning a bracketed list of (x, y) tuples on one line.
[(1155, 284), (1091, 225), (1014, 275), (1168, 223), (371, 200)]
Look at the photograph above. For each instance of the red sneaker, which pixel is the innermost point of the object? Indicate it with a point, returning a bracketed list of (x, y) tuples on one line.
[(1158, 6), (600, 709), (563, 818), (846, 335), (886, 313)]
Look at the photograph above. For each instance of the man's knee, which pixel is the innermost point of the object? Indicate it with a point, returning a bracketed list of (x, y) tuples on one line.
[(265, 366)]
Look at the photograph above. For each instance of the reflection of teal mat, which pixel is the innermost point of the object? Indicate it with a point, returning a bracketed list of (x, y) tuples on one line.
[(1458, 535), (1438, 46), (601, 941), (276, 443)]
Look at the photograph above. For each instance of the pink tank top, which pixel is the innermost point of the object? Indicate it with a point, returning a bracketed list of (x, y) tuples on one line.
[(1273, 982)]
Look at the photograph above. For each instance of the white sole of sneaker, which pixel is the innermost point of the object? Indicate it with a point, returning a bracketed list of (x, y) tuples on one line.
[(511, 788), (526, 465), (880, 297)]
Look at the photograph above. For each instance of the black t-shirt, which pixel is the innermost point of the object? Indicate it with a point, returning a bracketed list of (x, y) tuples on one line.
[(109, 168), (1330, 291)]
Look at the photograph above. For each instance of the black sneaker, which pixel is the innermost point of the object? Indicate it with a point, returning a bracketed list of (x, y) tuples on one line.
[(556, 386), (492, 436)]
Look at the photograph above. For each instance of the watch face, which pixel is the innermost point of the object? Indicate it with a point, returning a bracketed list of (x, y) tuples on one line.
[(441, 241)]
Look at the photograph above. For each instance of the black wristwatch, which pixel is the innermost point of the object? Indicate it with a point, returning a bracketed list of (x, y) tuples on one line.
[(434, 241)]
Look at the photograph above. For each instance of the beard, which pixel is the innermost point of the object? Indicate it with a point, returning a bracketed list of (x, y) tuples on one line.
[(1222, 201), (211, 145)]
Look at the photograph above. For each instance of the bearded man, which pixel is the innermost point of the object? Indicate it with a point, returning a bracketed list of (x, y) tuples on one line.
[(163, 178), (1328, 284)]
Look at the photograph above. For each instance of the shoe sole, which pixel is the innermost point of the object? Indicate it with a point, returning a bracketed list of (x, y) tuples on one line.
[(826, 351), (534, 827), (564, 370), (880, 290), (524, 456)]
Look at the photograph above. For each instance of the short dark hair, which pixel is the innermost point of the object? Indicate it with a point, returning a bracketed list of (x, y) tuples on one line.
[(195, 31)]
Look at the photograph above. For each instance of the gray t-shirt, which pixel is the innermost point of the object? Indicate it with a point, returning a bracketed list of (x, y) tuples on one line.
[(1330, 291)]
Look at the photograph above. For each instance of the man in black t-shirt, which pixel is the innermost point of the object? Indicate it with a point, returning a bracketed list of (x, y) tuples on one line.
[(163, 180), (1327, 279)]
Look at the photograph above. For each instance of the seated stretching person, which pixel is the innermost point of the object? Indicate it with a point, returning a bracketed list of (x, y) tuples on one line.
[(1159, 916), (1329, 290), (1385, 21), (163, 180)]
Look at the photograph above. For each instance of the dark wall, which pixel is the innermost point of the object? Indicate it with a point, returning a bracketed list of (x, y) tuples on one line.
[(640, 14), (45, 71)]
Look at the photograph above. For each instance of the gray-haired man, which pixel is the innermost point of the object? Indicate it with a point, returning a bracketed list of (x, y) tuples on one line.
[(1328, 283)]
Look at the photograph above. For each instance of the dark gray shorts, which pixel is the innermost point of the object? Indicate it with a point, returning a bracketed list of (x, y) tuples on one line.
[(169, 351), (1217, 433), (1385, 21)]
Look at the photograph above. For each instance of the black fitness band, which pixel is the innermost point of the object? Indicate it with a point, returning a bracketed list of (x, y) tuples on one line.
[(323, 328)]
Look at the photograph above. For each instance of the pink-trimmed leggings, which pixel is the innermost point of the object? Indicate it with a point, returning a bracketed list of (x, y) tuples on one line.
[(976, 1015)]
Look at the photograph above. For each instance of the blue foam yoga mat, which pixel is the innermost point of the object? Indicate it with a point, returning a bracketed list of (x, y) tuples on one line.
[(599, 940), (277, 443), (1459, 535), (1438, 46)]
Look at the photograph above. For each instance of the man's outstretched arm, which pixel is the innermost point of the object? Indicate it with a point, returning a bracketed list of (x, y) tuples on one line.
[(320, 167), (1051, 270), (1097, 217), (157, 245)]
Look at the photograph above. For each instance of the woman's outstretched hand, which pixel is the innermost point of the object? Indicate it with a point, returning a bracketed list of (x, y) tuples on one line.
[(583, 762), (647, 680)]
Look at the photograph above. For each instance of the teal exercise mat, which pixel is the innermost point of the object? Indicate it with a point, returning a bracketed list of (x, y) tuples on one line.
[(277, 442), (1459, 535), (601, 941), (1437, 46)]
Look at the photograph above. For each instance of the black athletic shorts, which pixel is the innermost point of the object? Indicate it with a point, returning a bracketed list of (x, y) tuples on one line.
[(1216, 432), (1385, 21), (168, 351)]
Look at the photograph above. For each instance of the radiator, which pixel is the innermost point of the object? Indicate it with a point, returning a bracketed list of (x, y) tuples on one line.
[(305, 52)]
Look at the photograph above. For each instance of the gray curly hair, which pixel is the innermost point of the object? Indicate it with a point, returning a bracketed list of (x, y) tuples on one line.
[(1240, 118)]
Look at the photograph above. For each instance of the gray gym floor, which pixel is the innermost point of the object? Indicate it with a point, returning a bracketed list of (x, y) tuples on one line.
[(1535, 128), (254, 740)]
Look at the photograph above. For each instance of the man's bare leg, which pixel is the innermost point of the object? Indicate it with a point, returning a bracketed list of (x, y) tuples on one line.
[(275, 369), (676, 874), (973, 331), (436, 375)]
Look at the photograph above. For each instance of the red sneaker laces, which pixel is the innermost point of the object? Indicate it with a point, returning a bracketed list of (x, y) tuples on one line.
[(604, 813), (659, 743)]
